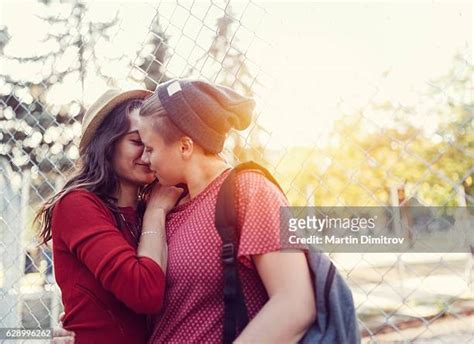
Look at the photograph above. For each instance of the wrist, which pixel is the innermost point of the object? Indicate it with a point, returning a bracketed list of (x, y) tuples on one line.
[(158, 210), (153, 215), (162, 235)]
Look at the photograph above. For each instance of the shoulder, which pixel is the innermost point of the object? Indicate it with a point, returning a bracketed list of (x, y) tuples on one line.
[(80, 199), (251, 177), (253, 183), (80, 194), (80, 211)]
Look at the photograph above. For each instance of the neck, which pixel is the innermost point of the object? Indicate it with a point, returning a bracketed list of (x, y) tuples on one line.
[(203, 173), (127, 195)]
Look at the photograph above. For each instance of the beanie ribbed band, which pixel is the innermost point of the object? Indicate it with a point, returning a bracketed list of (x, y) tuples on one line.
[(205, 112)]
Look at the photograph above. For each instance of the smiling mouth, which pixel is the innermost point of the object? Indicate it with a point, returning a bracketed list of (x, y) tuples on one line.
[(146, 166)]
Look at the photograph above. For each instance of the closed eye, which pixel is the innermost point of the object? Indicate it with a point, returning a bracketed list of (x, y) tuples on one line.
[(137, 142)]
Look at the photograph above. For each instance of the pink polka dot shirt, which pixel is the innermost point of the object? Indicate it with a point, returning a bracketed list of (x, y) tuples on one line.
[(193, 309)]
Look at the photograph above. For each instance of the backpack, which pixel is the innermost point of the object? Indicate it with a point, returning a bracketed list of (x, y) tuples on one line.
[(336, 320)]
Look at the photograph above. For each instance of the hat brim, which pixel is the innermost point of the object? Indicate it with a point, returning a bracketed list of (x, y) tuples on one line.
[(104, 112)]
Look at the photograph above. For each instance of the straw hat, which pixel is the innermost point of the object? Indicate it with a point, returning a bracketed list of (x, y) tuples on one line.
[(98, 111)]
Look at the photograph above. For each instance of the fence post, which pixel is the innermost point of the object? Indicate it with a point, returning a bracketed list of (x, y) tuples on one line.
[(397, 223), (394, 202), (463, 221)]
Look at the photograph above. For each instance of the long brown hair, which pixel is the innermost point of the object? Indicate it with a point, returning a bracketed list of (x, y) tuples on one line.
[(95, 172)]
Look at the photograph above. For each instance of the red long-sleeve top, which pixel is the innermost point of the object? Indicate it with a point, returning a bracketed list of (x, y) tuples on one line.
[(107, 290)]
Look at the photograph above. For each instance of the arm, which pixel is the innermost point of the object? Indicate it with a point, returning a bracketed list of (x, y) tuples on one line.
[(83, 223), (291, 307), (153, 240)]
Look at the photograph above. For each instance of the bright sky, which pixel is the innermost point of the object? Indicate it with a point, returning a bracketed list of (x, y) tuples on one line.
[(322, 53)]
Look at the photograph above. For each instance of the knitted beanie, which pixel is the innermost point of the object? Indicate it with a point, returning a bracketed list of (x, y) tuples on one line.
[(205, 112)]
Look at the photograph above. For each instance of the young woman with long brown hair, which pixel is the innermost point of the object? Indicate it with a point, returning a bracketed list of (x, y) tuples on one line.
[(110, 254)]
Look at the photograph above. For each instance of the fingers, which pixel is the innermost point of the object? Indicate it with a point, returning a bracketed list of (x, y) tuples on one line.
[(155, 189), (61, 317), (177, 190), (62, 336), (164, 197), (63, 340), (60, 332)]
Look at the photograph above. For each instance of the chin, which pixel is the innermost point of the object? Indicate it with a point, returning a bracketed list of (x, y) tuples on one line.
[(149, 180), (145, 179)]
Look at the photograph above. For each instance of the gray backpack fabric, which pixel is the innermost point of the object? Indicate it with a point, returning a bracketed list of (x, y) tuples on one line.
[(336, 320)]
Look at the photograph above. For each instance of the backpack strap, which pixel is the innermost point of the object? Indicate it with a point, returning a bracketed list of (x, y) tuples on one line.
[(252, 165), (235, 310)]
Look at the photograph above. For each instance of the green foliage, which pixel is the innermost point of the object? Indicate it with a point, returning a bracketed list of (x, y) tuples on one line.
[(360, 166)]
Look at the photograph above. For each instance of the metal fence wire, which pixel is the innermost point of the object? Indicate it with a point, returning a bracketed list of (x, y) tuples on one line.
[(365, 162)]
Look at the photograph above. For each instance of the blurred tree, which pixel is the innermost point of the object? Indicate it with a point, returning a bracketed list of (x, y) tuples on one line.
[(226, 64), (37, 134), (455, 166), (152, 57), (360, 166), (4, 37)]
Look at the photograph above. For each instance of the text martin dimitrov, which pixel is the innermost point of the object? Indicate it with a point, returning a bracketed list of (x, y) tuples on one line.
[(352, 224)]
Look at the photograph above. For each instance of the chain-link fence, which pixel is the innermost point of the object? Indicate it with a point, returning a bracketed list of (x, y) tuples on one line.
[(382, 152)]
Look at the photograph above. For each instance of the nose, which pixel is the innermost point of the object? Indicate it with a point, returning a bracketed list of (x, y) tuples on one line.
[(145, 158)]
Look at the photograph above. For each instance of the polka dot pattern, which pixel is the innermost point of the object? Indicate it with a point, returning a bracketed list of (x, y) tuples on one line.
[(193, 309)]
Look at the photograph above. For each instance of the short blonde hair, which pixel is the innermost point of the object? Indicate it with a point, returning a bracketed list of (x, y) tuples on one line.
[(154, 110)]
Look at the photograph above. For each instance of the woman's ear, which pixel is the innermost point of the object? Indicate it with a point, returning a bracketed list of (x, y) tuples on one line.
[(186, 146)]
